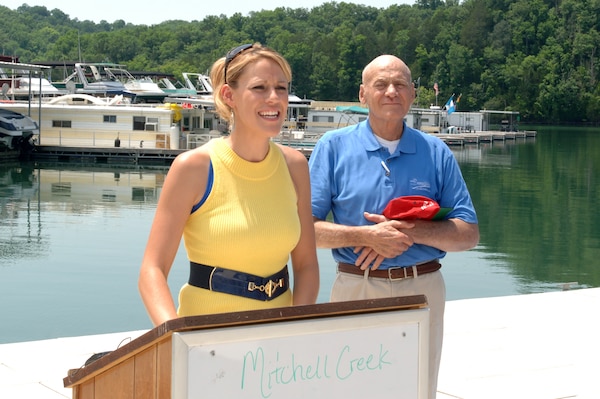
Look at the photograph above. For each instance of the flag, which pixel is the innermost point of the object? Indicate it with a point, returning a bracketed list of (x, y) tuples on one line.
[(458, 98), (450, 106), (435, 87)]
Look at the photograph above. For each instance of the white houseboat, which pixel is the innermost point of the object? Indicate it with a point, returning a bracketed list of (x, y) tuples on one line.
[(80, 120)]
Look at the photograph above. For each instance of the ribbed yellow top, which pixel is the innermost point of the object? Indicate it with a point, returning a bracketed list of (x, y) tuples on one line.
[(249, 222)]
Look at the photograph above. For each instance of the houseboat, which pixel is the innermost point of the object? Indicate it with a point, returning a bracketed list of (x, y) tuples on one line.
[(82, 120)]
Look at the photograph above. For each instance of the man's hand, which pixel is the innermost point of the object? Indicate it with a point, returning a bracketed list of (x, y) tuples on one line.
[(386, 240)]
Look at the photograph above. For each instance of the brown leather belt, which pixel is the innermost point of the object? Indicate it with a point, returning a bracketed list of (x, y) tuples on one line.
[(393, 273)]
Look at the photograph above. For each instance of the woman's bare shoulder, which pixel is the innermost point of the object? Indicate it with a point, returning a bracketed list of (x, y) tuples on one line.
[(292, 156), (199, 156)]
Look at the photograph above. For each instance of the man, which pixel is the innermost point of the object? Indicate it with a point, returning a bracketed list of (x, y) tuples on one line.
[(356, 171)]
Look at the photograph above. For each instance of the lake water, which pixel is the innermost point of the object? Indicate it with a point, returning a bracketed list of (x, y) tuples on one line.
[(72, 235)]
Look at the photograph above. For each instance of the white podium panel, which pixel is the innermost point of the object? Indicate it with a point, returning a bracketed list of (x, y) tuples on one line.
[(371, 355)]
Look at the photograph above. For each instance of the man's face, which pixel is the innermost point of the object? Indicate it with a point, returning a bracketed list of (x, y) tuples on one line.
[(387, 90)]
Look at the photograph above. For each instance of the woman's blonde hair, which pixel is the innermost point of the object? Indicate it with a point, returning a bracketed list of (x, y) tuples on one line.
[(227, 70)]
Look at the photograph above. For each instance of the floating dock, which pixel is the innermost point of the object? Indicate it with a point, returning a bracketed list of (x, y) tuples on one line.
[(461, 139), (164, 157), (116, 156), (99, 155)]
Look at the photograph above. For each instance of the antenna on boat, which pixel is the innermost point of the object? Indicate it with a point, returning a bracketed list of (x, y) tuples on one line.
[(79, 45)]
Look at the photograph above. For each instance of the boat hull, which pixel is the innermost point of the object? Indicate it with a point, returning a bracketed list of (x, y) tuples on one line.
[(17, 131)]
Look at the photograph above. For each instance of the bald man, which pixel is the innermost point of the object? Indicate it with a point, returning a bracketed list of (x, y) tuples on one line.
[(357, 170)]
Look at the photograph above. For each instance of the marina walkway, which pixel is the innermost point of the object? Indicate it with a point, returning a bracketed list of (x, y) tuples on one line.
[(164, 157), (514, 347)]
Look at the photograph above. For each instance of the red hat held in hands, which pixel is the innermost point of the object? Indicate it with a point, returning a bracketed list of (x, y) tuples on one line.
[(414, 207)]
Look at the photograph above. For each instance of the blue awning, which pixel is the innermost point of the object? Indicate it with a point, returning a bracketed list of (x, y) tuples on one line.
[(353, 109)]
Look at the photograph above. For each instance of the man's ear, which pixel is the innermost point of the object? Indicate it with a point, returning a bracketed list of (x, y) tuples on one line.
[(361, 94)]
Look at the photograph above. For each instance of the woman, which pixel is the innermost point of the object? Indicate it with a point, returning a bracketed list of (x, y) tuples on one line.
[(242, 204)]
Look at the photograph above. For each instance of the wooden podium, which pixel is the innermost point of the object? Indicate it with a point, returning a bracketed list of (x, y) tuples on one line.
[(314, 349)]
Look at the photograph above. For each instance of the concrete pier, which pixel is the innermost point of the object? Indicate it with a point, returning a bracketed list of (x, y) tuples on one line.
[(519, 347)]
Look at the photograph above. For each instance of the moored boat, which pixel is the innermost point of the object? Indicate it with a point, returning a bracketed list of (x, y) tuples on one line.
[(174, 88), (144, 88), (19, 84), (198, 82), (80, 120), (17, 131)]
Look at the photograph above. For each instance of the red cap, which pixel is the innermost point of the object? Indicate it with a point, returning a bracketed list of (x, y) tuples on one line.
[(412, 207)]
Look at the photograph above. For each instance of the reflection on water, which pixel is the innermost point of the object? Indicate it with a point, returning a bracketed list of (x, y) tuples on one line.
[(22, 230), (72, 236), (71, 241), (537, 205), (30, 194)]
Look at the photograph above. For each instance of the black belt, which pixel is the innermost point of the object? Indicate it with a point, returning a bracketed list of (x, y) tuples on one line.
[(238, 283), (393, 273)]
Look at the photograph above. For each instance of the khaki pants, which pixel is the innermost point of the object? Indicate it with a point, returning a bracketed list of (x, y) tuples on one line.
[(348, 287)]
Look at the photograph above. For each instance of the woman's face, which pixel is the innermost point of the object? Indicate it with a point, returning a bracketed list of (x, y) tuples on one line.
[(260, 100)]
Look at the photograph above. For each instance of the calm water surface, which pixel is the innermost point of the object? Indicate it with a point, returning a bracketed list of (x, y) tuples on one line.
[(72, 236)]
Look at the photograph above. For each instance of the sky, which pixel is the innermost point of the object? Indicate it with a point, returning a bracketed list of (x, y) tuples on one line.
[(156, 11)]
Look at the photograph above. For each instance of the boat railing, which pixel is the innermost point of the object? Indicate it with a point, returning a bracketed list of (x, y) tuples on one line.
[(298, 138), (196, 139), (106, 139)]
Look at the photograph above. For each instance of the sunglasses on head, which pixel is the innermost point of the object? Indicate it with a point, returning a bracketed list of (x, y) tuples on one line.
[(234, 53)]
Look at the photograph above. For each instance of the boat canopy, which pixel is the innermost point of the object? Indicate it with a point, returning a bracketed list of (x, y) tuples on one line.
[(352, 109)]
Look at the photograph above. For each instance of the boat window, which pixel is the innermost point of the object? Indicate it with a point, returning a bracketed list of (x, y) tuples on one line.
[(110, 118), (185, 123), (196, 122), (322, 118), (139, 123), (56, 123)]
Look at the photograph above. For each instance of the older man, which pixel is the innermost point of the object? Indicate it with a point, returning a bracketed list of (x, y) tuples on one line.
[(357, 170)]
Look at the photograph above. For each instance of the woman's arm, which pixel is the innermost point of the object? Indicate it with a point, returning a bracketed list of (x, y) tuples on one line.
[(305, 264), (184, 186)]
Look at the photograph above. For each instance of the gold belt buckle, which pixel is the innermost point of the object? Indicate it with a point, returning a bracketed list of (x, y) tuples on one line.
[(268, 288)]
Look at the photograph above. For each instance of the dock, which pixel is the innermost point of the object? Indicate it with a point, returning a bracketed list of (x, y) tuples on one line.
[(164, 156), (461, 139), (114, 156), (533, 346), (105, 155), (7, 156)]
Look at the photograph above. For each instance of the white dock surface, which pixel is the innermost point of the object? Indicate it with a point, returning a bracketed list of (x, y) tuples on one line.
[(544, 346)]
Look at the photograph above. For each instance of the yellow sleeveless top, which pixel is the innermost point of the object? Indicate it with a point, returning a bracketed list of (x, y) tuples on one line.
[(249, 223)]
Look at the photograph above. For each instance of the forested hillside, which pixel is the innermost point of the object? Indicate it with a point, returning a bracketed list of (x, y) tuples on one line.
[(537, 57)]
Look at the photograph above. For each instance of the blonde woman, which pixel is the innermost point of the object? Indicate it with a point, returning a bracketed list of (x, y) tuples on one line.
[(241, 204)]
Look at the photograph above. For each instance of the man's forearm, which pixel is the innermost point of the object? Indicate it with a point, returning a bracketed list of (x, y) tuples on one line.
[(448, 235), (391, 238), (331, 235)]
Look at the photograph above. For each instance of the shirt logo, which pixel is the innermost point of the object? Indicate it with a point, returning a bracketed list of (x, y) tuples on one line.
[(417, 185)]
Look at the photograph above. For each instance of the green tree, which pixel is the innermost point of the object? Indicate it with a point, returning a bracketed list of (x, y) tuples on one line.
[(538, 57)]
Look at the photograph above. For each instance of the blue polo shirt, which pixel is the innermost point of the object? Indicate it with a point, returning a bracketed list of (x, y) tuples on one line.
[(348, 178)]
